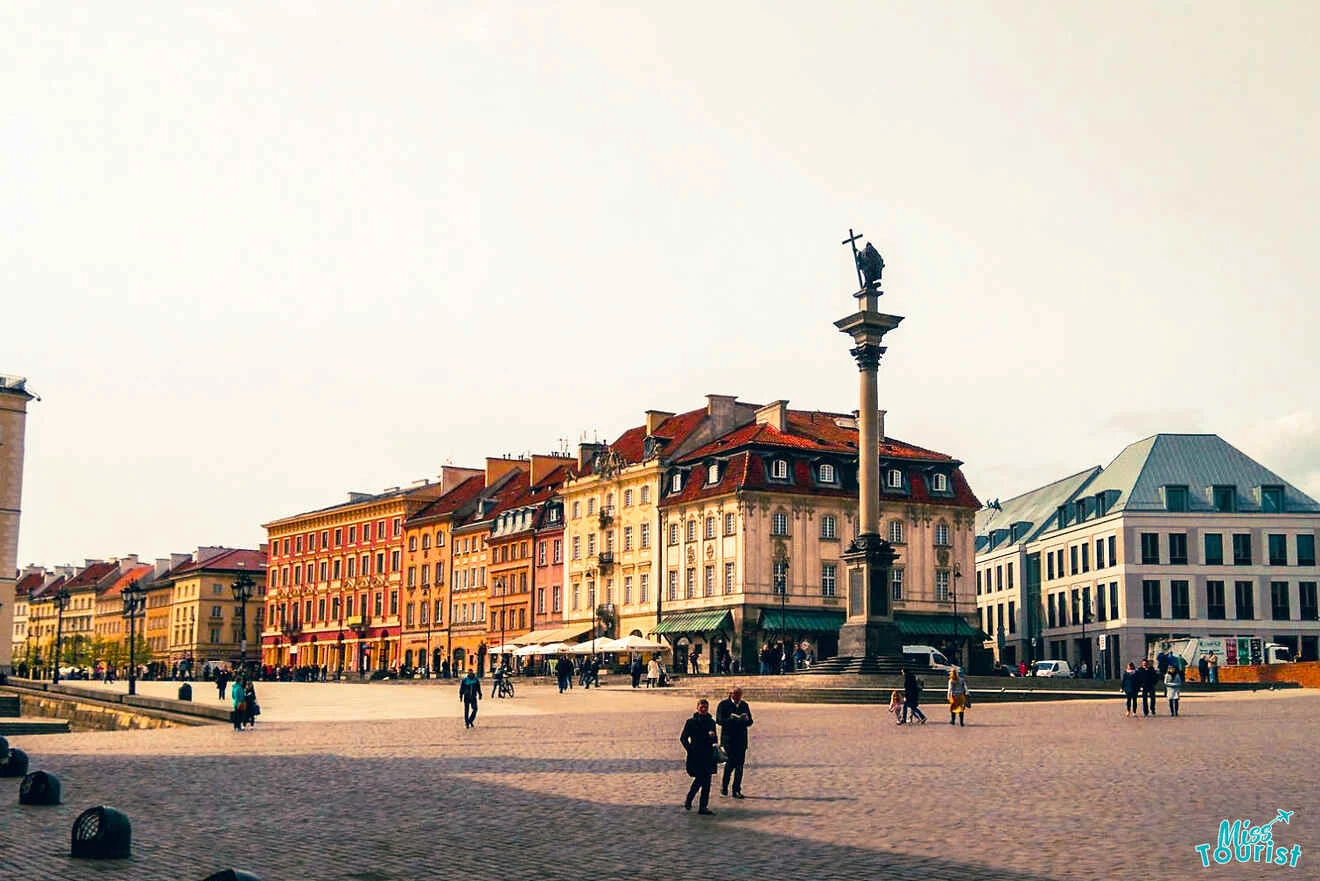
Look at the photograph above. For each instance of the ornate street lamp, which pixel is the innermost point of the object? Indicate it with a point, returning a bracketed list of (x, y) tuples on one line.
[(61, 603), (135, 602), (957, 644), (291, 632), (781, 585), (426, 609), (242, 588), (360, 629)]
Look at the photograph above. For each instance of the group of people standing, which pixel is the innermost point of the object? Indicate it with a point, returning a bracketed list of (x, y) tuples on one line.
[(1142, 680), (243, 697)]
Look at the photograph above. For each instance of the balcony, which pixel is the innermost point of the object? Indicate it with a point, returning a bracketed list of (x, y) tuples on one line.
[(605, 560), (606, 515)]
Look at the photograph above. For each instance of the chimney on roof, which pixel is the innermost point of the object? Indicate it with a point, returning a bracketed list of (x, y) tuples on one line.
[(543, 465), (880, 424), (87, 563), (774, 414), (723, 413), (206, 553), (452, 475), (498, 467), (127, 562), (654, 418), (358, 497), (422, 482), (587, 452)]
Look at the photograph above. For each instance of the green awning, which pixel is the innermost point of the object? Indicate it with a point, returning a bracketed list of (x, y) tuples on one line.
[(801, 621), (936, 625), (696, 622)]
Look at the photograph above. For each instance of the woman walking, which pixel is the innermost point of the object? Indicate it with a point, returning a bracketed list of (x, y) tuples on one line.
[(653, 674), (1129, 686), (698, 738), (1173, 688), (957, 698), (238, 697), (911, 699)]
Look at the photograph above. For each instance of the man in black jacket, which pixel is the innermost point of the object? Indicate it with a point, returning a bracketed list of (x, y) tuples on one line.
[(564, 673), (1146, 678), (734, 717), (469, 692)]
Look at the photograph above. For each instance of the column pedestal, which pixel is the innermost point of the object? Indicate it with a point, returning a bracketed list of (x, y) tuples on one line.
[(869, 629)]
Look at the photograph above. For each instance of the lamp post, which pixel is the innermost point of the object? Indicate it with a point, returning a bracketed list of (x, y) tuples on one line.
[(242, 588), (426, 598), (957, 645), (61, 603), (781, 585), (291, 634), (360, 629), (135, 599)]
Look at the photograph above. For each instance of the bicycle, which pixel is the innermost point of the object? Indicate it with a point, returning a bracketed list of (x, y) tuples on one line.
[(504, 687)]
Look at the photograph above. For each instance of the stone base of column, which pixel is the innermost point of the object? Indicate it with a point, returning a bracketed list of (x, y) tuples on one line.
[(870, 639)]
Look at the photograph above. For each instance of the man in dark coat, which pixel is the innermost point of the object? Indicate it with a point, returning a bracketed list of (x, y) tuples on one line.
[(911, 698), (636, 670), (1146, 679), (734, 717), (469, 692), (698, 738), (564, 673)]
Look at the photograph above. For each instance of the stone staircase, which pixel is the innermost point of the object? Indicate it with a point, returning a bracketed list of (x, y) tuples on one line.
[(855, 666), (9, 706)]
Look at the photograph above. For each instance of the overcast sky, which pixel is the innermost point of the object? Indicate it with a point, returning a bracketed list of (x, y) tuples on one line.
[(257, 257)]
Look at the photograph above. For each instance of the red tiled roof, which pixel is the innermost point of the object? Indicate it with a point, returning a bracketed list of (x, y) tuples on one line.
[(48, 590), (135, 573), (90, 576), (450, 501), (29, 583), (228, 560), (632, 443), (809, 430)]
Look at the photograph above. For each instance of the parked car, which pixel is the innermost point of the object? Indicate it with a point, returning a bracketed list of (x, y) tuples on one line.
[(929, 655), (1005, 670), (1054, 670)]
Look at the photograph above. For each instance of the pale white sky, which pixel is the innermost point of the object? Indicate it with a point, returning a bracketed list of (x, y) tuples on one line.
[(256, 257)]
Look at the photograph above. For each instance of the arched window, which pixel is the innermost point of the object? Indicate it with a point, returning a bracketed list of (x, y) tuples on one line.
[(827, 473)]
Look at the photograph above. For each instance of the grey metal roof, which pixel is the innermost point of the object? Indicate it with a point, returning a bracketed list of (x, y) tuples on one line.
[(1199, 462), (1035, 508)]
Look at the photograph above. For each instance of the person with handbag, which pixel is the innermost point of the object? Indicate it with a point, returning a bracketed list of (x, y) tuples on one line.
[(698, 738), (239, 698), (250, 698), (734, 717), (957, 698)]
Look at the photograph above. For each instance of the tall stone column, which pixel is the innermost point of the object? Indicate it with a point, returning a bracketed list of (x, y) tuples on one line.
[(869, 628), (14, 397)]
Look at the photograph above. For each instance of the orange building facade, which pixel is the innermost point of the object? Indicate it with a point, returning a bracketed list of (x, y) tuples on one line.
[(335, 582)]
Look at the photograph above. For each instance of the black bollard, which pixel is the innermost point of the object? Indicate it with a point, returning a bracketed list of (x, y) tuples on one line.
[(15, 763), (39, 788), (232, 875), (101, 833)]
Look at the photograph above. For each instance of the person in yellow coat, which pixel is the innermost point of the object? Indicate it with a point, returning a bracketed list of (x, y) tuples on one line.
[(957, 698)]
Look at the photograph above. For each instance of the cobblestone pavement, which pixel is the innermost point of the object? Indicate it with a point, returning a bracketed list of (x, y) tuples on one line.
[(589, 786)]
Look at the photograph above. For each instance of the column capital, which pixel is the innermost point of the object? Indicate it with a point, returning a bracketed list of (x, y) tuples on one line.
[(868, 356)]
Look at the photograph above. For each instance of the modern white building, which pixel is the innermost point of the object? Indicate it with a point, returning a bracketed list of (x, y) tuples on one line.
[(1181, 535)]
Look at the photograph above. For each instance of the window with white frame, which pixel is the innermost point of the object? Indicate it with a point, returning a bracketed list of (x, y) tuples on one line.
[(710, 527), (896, 582), (673, 533), (713, 473), (779, 469), (577, 548), (895, 531), (828, 579), (627, 538), (591, 507), (829, 526), (676, 482), (577, 595), (692, 529), (729, 579), (577, 510), (730, 524), (646, 494), (627, 498), (673, 584), (708, 585), (643, 588), (941, 535), (941, 585), (690, 583), (939, 483), (627, 590), (779, 523), (644, 539), (894, 478), (779, 584), (827, 473)]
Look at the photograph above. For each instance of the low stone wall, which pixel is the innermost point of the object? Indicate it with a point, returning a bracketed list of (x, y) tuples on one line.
[(85, 715), (1304, 673)]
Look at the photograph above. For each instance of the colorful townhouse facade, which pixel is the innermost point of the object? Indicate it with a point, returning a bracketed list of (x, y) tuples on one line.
[(205, 620)]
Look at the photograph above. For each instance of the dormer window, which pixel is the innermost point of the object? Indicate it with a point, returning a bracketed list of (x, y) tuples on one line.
[(894, 478), (1175, 498), (779, 469), (940, 483), (1271, 499), (676, 482), (827, 474), (1063, 516), (1224, 498), (713, 473)]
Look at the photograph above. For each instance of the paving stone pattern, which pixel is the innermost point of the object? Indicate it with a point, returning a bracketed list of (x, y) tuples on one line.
[(383, 783)]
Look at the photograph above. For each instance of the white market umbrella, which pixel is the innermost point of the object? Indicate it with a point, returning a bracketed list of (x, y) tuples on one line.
[(634, 643), (503, 649), (586, 648), (527, 651), (555, 648)]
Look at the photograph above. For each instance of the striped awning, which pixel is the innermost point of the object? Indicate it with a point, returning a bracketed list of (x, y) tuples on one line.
[(801, 620), (936, 625), (695, 622)]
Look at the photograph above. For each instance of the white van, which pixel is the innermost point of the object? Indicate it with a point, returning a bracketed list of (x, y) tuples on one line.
[(1054, 669), (931, 654)]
